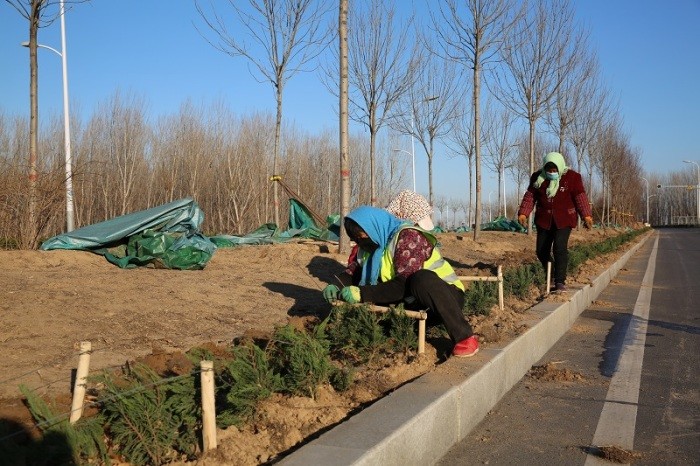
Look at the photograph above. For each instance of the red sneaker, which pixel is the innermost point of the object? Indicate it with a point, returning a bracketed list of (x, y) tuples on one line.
[(466, 348)]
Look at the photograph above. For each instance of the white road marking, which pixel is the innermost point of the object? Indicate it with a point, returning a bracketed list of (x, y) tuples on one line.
[(617, 420)]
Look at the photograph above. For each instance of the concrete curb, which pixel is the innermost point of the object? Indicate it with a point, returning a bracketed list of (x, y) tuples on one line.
[(421, 421)]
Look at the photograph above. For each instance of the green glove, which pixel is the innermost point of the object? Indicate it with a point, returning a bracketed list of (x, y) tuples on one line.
[(330, 293), (350, 294)]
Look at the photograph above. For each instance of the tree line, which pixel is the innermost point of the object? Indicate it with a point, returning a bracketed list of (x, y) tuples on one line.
[(497, 82)]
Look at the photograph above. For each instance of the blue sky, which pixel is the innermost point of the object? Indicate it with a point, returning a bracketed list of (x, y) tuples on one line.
[(649, 52)]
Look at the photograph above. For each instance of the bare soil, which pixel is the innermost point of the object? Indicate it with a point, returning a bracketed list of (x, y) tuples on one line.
[(52, 300)]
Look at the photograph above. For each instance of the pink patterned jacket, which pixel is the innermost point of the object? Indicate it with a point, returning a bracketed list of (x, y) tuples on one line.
[(559, 211)]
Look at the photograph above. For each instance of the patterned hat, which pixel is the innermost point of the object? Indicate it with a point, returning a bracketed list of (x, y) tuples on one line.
[(409, 205)]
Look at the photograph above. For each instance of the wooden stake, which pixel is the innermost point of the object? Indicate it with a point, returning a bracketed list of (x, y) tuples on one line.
[(498, 278), (500, 287), (421, 336), (421, 316), (549, 278), (76, 409), (208, 407)]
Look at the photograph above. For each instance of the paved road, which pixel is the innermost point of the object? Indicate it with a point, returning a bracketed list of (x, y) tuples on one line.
[(626, 375)]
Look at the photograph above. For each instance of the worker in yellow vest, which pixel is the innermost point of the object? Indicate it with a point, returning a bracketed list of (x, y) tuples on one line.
[(398, 262)]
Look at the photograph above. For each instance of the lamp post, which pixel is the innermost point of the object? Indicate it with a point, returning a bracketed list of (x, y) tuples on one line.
[(503, 179), (66, 119), (413, 163), (413, 140), (412, 153), (657, 206), (697, 190), (647, 196)]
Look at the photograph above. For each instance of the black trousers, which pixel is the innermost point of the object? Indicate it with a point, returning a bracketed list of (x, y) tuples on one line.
[(442, 298), (554, 240)]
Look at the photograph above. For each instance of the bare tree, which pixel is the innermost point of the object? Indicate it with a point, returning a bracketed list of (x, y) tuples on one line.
[(440, 204), (520, 167), (605, 157), (586, 122), (462, 143), (283, 37), (433, 100), (500, 145), (473, 35), (571, 93), (467, 213), (456, 205), (537, 56), (119, 134), (379, 57), (39, 13)]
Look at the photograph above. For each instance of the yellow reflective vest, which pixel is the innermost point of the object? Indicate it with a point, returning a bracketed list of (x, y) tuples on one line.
[(435, 262)]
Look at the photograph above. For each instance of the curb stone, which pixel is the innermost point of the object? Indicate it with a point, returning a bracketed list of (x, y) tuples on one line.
[(418, 423)]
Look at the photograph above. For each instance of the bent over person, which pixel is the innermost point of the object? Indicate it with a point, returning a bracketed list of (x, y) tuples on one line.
[(398, 262), (557, 194)]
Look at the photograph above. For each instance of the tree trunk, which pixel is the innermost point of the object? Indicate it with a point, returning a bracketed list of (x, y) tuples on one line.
[(471, 194), (430, 172), (532, 166), (477, 148), (344, 243), (33, 121), (501, 194), (372, 157), (276, 156)]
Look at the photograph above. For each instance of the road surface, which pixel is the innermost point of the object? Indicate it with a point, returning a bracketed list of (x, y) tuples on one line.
[(623, 382)]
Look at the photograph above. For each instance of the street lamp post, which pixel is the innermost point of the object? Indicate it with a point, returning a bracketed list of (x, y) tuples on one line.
[(413, 163), (503, 179), (697, 190), (647, 196), (413, 154), (66, 119), (413, 142), (657, 206)]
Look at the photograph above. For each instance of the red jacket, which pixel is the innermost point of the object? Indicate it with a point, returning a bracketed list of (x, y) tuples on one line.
[(560, 210)]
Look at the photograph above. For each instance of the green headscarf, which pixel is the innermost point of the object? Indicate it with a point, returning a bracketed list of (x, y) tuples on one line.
[(557, 159)]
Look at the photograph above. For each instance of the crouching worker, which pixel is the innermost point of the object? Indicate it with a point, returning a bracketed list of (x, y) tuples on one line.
[(398, 263)]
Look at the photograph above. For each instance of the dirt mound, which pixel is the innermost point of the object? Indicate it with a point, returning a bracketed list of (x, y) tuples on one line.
[(616, 454), (550, 373)]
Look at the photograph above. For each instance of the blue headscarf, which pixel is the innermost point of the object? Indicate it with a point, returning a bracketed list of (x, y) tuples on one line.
[(380, 226)]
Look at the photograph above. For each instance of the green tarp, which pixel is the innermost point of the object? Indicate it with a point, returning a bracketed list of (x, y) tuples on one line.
[(168, 236), (503, 224), (498, 224), (301, 225)]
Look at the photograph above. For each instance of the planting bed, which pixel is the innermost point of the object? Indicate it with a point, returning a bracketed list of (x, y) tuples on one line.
[(52, 300)]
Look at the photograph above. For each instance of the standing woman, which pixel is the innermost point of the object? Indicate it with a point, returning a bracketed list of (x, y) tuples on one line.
[(557, 194)]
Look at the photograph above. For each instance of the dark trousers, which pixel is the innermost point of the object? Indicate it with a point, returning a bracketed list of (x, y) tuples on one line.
[(554, 240), (442, 298)]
